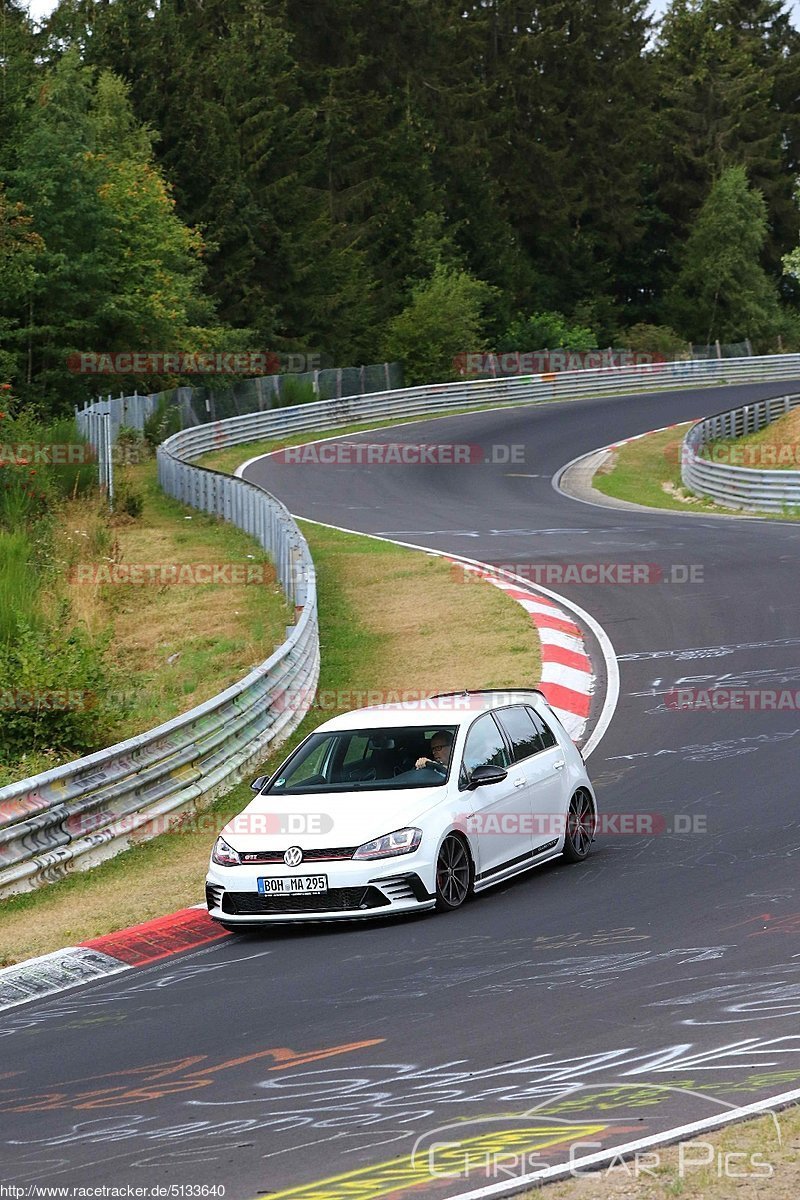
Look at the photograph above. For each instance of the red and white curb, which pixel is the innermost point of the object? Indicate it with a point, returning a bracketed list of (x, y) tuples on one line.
[(98, 957), (648, 433), (568, 680)]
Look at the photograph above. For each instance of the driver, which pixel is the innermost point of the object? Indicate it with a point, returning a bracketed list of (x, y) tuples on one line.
[(441, 749)]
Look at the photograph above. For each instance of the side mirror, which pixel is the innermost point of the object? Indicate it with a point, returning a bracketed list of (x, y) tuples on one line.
[(483, 776), (258, 784)]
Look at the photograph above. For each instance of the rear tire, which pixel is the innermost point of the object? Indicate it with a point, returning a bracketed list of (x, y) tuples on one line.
[(453, 874), (581, 825)]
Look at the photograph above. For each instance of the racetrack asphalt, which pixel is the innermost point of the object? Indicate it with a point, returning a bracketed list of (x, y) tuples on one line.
[(654, 985)]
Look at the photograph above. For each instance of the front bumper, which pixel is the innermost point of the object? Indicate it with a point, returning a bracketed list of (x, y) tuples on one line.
[(355, 891)]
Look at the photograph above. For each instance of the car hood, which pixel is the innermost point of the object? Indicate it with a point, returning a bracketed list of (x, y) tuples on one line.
[(333, 819)]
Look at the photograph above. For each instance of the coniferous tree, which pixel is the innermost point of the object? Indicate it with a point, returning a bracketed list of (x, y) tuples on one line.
[(729, 76), (574, 94)]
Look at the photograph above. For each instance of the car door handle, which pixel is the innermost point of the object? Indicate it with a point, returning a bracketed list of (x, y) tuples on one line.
[(519, 782), (559, 766)]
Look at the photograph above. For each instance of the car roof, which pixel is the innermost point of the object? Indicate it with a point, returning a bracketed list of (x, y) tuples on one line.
[(444, 708)]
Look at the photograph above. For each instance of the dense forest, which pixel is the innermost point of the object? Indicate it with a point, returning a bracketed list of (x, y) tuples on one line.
[(376, 179)]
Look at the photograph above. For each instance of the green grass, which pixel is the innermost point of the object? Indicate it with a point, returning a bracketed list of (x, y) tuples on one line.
[(640, 469), (776, 447), (647, 472), (19, 582)]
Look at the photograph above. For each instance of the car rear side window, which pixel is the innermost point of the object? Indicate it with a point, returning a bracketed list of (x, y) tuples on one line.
[(545, 732), (525, 736)]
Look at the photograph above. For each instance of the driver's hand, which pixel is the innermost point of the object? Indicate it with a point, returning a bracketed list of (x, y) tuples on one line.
[(422, 762)]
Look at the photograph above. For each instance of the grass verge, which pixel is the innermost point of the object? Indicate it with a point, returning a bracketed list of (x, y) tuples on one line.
[(391, 620), (172, 646), (776, 447), (647, 471), (180, 644), (758, 1158)]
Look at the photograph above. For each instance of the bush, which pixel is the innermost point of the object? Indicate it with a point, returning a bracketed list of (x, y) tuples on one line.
[(70, 479), (443, 321), (129, 501), (131, 446), (56, 690), (165, 421), (654, 339), (24, 495), (546, 331), (292, 390)]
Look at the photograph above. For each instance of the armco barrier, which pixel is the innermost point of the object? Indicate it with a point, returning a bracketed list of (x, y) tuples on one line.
[(89, 809), (77, 814), (409, 402), (749, 488)]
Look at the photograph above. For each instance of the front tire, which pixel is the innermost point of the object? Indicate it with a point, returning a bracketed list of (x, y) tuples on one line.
[(581, 824), (453, 874)]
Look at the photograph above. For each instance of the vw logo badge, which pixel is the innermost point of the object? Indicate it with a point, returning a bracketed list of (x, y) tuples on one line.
[(293, 856)]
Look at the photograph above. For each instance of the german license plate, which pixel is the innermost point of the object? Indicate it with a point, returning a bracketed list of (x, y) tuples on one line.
[(291, 885)]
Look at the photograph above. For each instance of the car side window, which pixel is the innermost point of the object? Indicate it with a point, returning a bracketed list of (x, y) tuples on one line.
[(525, 737), (545, 732), (484, 747)]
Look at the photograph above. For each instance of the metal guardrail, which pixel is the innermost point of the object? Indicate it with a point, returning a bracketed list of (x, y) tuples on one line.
[(88, 810), (750, 488), (80, 813), (575, 385)]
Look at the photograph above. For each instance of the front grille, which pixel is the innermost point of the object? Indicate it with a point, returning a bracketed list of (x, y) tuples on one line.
[(334, 854), (348, 899)]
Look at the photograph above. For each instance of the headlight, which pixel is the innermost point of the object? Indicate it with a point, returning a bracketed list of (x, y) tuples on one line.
[(402, 841), (224, 855)]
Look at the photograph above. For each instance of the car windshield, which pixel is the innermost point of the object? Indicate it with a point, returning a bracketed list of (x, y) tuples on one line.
[(368, 760)]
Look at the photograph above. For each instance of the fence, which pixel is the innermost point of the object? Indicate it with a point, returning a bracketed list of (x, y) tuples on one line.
[(579, 385), (753, 489), (200, 405), (117, 793)]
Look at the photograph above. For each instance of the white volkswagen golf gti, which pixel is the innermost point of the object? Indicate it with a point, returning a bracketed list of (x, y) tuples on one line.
[(405, 807)]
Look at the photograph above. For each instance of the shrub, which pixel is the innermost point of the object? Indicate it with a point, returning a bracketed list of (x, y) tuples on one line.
[(654, 339), (131, 446), (165, 421), (292, 390), (546, 331), (443, 321), (55, 689), (69, 479)]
